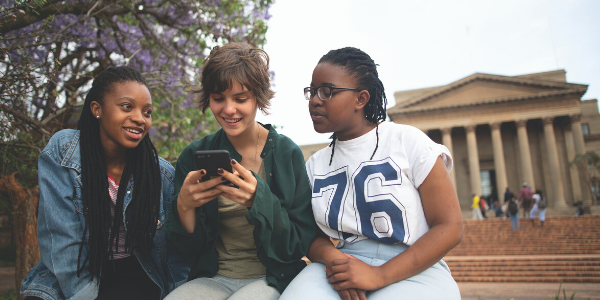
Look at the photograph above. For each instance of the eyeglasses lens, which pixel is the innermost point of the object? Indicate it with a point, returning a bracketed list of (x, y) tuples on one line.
[(324, 93), (308, 93)]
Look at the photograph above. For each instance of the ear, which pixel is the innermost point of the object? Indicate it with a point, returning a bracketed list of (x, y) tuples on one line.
[(363, 99), (96, 109)]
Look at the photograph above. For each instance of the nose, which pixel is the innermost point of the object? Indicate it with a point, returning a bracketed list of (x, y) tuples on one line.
[(315, 100), (138, 117), (229, 108)]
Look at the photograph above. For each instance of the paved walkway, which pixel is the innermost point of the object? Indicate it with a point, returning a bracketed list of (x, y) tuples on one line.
[(526, 291)]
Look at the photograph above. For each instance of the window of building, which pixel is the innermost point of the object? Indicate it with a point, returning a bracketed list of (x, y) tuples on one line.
[(585, 128)]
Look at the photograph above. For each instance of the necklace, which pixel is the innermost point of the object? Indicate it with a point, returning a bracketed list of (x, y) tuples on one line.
[(257, 140)]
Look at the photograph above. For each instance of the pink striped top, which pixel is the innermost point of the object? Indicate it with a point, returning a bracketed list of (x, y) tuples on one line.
[(113, 188)]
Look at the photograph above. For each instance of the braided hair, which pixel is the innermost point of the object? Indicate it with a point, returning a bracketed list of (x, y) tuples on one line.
[(360, 66), (141, 164)]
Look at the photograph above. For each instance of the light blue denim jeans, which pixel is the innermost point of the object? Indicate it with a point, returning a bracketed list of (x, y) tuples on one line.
[(514, 220), (433, 283), (222, 287)]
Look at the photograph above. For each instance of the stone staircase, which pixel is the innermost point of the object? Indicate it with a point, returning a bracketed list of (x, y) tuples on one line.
[(567, 248)]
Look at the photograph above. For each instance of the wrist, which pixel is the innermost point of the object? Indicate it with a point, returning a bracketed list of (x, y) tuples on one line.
[(181, 207)]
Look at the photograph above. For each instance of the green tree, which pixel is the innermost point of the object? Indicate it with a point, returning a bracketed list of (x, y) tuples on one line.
[(50, 51), (588, 165)]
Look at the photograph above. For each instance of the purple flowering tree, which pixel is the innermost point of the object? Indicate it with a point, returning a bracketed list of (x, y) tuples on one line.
[(50, 51)]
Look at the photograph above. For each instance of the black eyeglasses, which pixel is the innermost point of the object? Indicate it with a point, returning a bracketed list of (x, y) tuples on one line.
[(324, 92)]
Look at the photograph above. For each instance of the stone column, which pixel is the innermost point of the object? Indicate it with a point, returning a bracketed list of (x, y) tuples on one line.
[(577, 134), (501, 181), (473, 160), (580, 149), (526, 166), (447, 141), (557, 185), (573, 171)]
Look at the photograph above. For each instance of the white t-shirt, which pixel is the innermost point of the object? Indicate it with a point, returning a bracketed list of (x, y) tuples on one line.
[(358, 198)]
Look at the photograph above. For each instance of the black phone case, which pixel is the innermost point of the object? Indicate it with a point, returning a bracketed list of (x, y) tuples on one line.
[(211, 160)]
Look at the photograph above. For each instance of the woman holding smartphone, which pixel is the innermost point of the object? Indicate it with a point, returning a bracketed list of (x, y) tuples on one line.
[(247, 237)]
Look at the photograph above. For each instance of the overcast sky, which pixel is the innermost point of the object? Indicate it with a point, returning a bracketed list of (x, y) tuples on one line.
[(427, 43)]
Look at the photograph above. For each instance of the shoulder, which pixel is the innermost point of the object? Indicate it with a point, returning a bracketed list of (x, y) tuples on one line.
[(281, 143), (63, 145), (64, 137), (402, 131), (166, 169)]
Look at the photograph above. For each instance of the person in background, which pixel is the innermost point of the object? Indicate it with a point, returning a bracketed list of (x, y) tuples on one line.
[(513, 214), (475, 208), (525, 199), (539, 208)]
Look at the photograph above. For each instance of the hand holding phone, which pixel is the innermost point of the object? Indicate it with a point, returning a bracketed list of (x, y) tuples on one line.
[(211, 161)]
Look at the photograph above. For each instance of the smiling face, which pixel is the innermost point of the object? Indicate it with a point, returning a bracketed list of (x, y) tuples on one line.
[(124, 115), (343, 114), (234, 109)]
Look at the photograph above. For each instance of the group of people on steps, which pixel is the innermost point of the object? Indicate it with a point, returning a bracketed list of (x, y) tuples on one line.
[(375, 212)]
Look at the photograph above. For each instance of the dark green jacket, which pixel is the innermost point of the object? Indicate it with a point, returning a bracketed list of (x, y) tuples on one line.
[(281, 213)]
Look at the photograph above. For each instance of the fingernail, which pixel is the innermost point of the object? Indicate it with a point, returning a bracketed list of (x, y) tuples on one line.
[(233, 162), (220, 170), (223, 178), (202, 172)]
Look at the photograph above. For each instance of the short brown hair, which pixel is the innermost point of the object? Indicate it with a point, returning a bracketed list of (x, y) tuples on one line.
[(242, 62)]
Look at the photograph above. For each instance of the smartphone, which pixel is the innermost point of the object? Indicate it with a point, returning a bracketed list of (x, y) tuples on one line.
[(210, 161)]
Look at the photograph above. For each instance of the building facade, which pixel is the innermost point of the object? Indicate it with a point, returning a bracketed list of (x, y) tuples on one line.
[(506, 130), (503, 131)]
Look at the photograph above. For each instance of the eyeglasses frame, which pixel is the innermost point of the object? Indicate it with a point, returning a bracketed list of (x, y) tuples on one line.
[(327, 86)]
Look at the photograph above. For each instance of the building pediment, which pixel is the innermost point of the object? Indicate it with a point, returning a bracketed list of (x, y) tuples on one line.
[(483, 89)]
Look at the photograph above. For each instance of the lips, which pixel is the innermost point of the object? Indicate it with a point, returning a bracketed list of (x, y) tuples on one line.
[(316, 115), (232, 121), (134, 132)]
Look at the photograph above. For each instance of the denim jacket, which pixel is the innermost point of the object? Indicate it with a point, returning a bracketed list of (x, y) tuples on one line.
[(61, 223)]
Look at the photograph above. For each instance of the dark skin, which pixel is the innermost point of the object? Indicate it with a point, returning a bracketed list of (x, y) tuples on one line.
[(127, 107), (350, 276)]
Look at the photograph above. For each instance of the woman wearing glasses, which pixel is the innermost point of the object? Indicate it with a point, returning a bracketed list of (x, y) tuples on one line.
[(381, 189), (248, 242)]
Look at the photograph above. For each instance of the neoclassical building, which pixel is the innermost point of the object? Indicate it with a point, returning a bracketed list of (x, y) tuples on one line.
[(506, 130)]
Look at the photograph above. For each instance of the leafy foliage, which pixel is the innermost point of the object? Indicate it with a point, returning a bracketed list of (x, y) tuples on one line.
[(588, 165), (50, 50)]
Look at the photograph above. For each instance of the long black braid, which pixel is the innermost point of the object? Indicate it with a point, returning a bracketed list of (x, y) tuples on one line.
[(142, 165), (360, 66)]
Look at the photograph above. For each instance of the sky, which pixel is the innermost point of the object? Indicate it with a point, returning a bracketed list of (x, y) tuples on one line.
[(420, 44)]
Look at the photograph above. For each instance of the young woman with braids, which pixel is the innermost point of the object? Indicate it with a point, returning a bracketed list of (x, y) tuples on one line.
[(248, 241), (381, 189), (104, 200)]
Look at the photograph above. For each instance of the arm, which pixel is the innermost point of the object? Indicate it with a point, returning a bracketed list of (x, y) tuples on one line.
[(188, 221), (322, 251), (60, 229), (442, 211)]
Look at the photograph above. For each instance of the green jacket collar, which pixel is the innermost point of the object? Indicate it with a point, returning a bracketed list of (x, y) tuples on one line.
[(223, 143)]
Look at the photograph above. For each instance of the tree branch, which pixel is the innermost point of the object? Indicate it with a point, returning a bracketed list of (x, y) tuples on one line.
[(36, 125)]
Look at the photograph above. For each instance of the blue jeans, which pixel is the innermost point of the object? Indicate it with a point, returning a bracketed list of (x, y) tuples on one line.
[(433, 283), (514, 219), (225, 288)]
